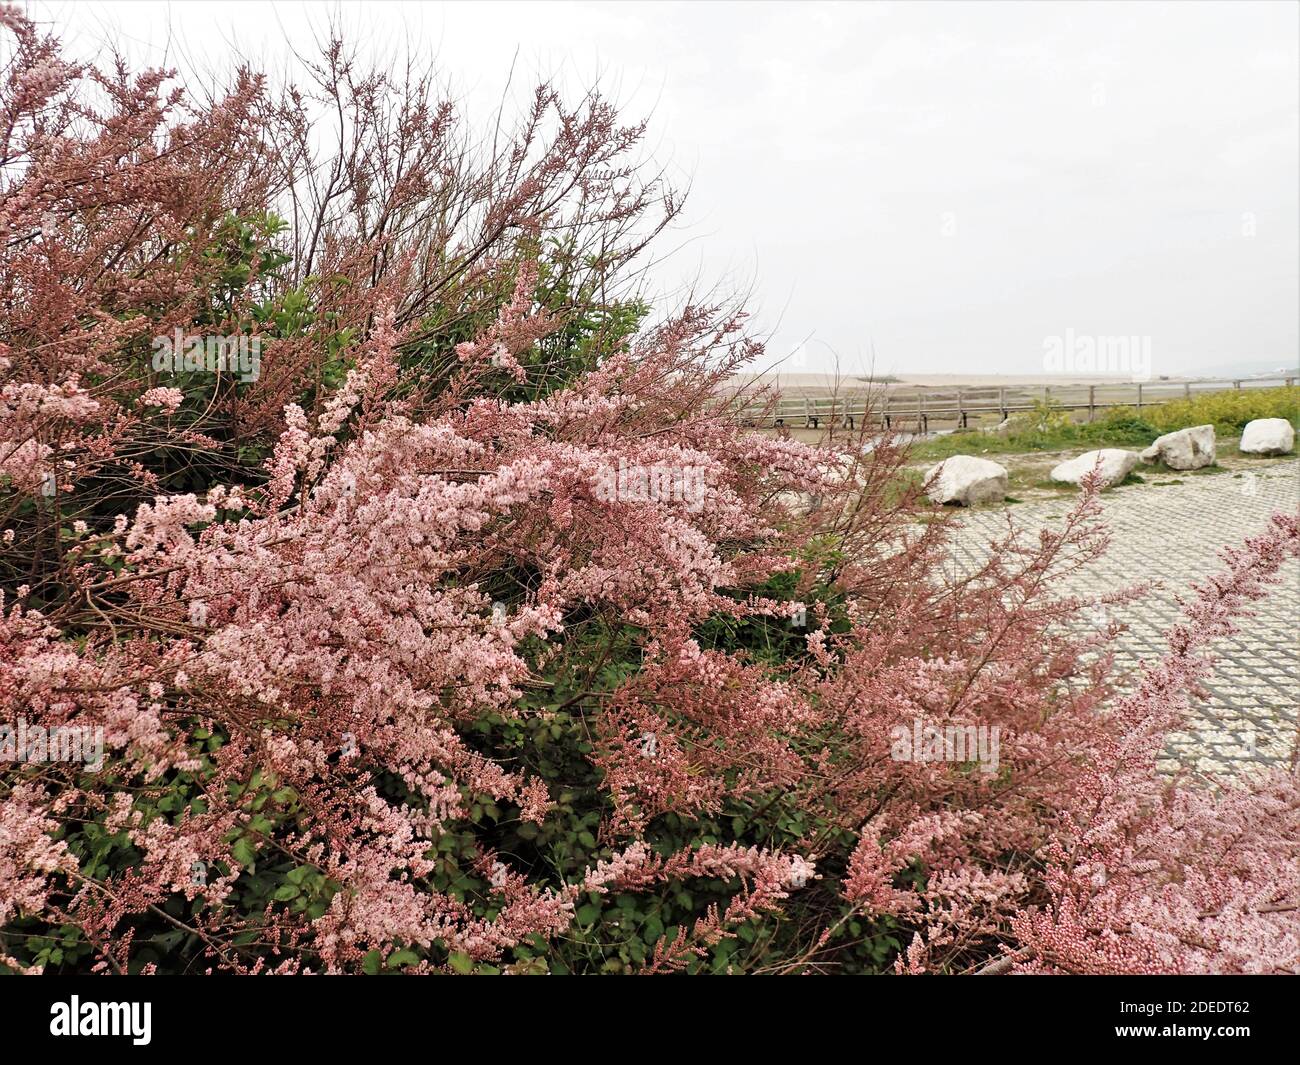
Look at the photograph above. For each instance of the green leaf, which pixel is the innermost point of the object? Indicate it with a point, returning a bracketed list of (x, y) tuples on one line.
[(243, 851), (653, 930)]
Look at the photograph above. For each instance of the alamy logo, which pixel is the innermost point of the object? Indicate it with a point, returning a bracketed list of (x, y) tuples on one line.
[(1074, 353), (658, 483), (213, 354), (21, 742), (102, 1018), (951, 743)]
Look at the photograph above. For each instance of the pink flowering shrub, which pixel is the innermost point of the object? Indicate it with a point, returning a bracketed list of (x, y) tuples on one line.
[(1147, 877), (501, 645)]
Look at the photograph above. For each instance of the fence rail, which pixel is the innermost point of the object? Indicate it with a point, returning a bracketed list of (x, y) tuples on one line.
[(890, 408)]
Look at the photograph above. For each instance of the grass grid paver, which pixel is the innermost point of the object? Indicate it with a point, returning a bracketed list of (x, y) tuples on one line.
[(1171, 533)]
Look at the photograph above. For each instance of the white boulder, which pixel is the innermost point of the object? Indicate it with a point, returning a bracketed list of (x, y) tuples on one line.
[(1186, 449), (1268, 436), (1115, 463), (965, 479)]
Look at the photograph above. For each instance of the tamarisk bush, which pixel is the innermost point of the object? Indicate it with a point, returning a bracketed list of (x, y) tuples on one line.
[(1146, 877), (478, 635)]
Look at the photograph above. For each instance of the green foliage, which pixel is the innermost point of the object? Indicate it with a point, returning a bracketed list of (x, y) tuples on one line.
[(1050, 428), (571, 287), (270, 877), (239, 290), (1227, 411)]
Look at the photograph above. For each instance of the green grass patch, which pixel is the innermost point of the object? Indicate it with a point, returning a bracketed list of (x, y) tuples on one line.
[(1227, 411), (1048, 428)]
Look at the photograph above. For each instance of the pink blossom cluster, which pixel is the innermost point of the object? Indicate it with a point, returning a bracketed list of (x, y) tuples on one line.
[(316, 653)]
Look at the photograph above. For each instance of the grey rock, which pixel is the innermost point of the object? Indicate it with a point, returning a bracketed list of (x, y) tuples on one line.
[(965, 479), (1268, 436), (1116, 464), (1185, 449)]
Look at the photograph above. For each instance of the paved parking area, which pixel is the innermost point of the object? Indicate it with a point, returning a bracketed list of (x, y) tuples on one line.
[(1171, 532)]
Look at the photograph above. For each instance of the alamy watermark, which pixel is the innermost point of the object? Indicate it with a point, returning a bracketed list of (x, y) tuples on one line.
[(22, 742), (184, 353), (659, 483), (921, 742), (1078, 353), (77, 1018)]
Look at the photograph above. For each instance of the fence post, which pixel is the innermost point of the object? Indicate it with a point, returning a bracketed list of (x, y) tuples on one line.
[(1002, 403), (1092, 402), (1139, 396), (1187, 390)]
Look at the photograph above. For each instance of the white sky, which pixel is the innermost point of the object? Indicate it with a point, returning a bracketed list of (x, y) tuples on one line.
[(949, 182)]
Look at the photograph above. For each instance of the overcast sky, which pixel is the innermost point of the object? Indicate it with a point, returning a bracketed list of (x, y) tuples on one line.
[(951, 183)]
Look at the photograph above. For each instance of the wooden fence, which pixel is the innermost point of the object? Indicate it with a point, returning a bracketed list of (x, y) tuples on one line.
[(889, 407)]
